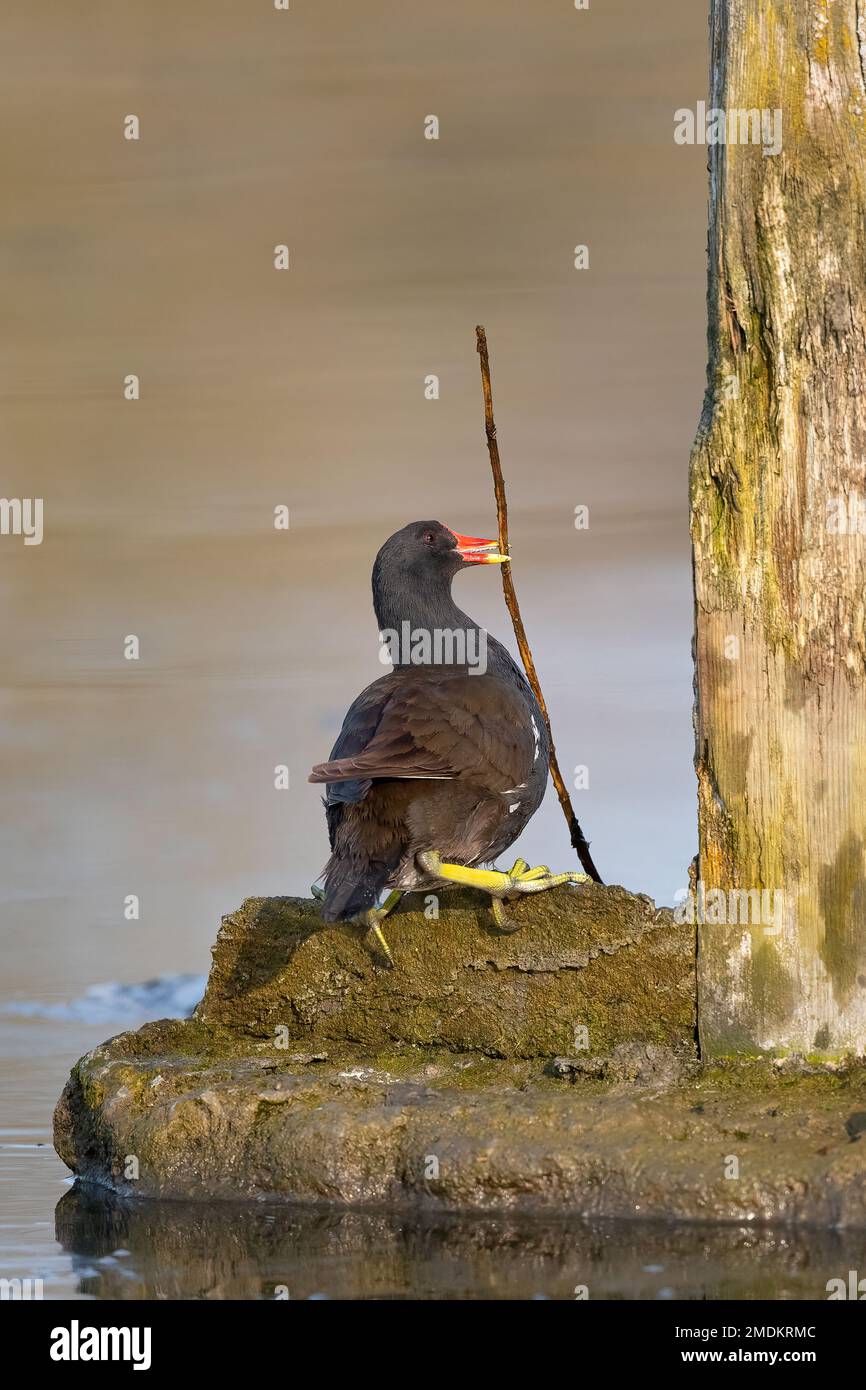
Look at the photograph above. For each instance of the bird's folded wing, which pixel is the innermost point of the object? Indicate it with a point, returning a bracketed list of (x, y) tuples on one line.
[(456, 726)]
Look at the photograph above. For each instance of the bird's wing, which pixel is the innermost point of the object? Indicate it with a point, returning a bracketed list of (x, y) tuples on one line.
[(456, 726)]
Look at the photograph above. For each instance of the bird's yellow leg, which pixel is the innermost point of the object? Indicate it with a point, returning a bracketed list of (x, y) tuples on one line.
[(374, 917), (490, 880), (519, 879)]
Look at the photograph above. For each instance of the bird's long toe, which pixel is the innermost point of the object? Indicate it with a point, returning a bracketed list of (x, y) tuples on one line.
[(504, 923), (376, 937), (541, 880)]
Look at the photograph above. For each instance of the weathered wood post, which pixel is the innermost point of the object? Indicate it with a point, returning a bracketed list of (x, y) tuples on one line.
[(778, 505)]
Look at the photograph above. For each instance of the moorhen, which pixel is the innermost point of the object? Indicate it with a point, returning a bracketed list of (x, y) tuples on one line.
[(440, 764)]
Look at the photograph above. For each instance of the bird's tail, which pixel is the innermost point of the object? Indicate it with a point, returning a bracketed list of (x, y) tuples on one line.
[(366, 850)]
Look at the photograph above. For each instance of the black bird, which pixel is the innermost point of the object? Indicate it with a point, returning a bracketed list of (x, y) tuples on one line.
[(440, 764)]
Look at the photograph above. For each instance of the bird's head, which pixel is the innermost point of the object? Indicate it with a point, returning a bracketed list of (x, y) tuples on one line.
[(412, 578), (425, 549), (414, 569)]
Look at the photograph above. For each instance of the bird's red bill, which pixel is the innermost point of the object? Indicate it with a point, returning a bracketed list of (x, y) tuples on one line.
[(476, 550)]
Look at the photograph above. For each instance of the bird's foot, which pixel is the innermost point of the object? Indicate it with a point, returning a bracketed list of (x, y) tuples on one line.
[(373, 919), (528, 880), (520, 878), (523, 879)]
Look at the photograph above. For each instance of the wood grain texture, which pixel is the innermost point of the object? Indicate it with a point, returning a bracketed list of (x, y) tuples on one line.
[(780, 713)]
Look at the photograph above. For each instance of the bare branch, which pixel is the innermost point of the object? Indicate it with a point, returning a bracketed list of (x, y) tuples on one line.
[(578, 839)]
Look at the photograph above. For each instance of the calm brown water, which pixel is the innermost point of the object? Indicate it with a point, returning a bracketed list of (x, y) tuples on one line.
[(306, 388)]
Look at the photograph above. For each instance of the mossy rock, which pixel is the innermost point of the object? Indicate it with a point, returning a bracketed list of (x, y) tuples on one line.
[(177, 1111), (595, 959)]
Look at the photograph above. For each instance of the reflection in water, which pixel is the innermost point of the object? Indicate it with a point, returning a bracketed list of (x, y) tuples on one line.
[(144, 1250)]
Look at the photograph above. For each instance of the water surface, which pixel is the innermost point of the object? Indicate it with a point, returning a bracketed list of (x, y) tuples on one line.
[(155, 778)]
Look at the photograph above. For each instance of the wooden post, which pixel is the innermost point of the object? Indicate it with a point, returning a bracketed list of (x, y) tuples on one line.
[(778, 507)]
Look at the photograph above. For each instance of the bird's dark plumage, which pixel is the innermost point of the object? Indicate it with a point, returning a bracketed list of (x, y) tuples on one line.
[(431, 756)]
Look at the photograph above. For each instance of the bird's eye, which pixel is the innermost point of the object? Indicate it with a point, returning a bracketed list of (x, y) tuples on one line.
[(427, 538)]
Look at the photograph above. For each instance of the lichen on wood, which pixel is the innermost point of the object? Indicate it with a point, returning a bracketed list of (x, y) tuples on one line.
[(780, 645)]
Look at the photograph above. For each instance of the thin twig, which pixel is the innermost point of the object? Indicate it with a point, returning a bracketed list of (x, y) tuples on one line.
[(578, 839)]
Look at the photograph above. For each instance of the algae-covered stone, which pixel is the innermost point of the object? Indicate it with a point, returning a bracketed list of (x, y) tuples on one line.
[(173, 1112), (588, 969), (463, 1078)]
